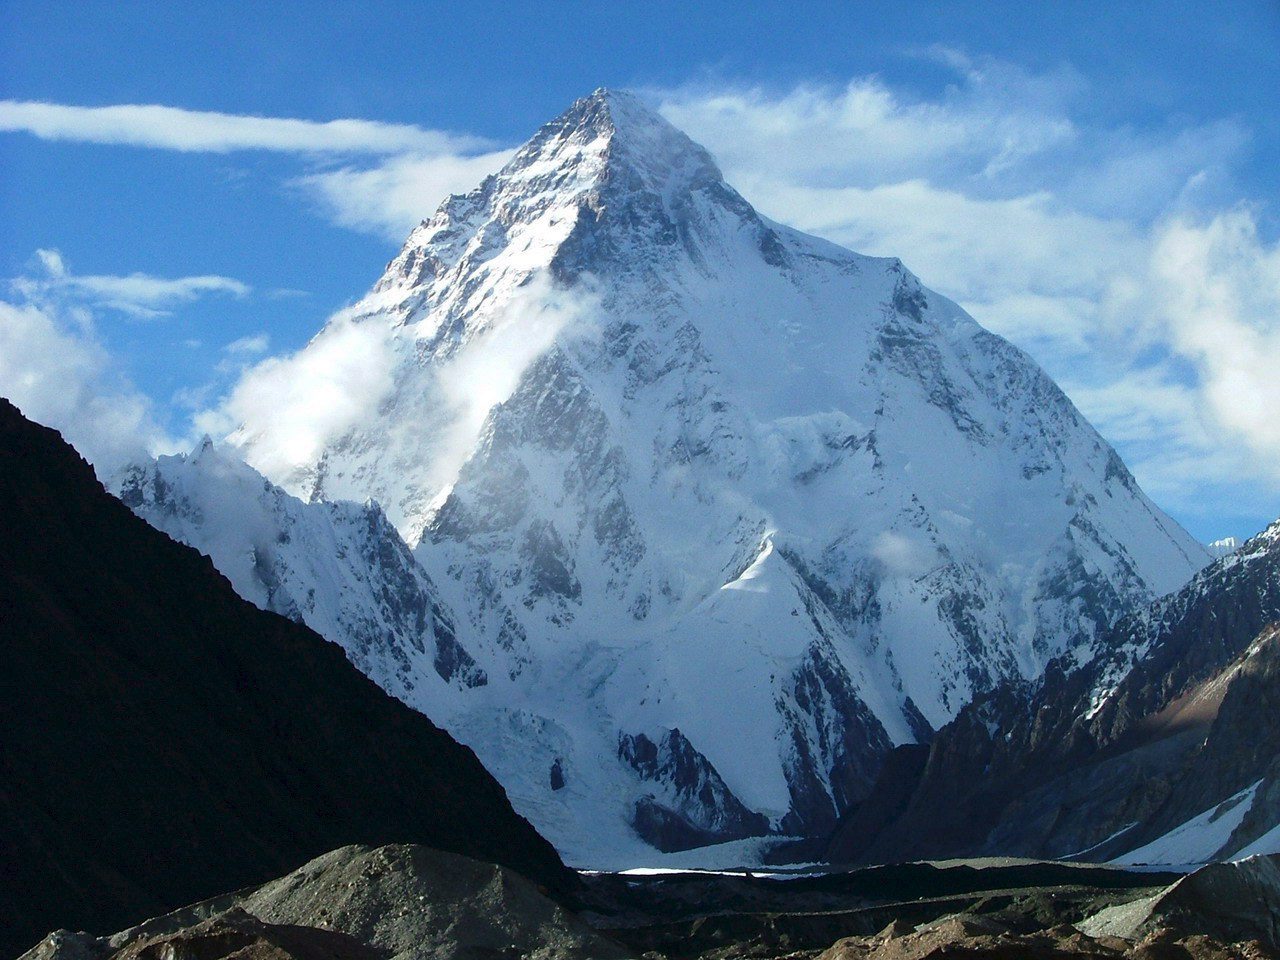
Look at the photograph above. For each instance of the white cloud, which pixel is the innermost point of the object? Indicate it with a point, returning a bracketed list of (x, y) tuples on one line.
[(137, 294), (862, 133), (1217, 290), (257, 343), (901, 556), (285, 411), (52, 262), (489, 367), (58, 373), (57, 369), (390, 198), (418, 168), (172, 128), (301, 402)]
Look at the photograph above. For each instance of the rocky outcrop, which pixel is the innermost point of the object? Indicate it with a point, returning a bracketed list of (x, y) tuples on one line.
[(1226, 901), (398, 902), (976, 938), (699, 807), (405, 902)]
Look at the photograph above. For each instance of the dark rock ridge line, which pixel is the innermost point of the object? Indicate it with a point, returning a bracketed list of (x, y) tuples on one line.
[(163, 740)]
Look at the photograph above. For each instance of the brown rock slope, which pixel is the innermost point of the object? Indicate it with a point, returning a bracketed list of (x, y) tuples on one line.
[(398, 902), (412, 903)]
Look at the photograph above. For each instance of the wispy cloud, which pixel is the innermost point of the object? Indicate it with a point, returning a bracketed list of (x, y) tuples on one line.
[(389, 198), (391, 175), (59, 371), (139, 295), (172, 128), (1217, 290), (255, 344), (284, 411), (304, 400)]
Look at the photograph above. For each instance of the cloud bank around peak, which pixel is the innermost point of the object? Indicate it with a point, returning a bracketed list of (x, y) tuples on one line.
[(285, 412)]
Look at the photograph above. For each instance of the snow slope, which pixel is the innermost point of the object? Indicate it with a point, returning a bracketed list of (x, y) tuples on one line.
[(341, 568), (1200, 838), (719, 510)]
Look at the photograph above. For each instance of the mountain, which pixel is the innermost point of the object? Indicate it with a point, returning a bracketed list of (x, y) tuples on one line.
[(1225, 546), (720, 511), (338, 567), (1159, 750), (162, 740)]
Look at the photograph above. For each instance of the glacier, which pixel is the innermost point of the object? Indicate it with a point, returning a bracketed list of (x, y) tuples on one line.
[(680, 518)]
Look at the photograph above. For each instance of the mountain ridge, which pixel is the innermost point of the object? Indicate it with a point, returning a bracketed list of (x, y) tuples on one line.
[(1110, 758)]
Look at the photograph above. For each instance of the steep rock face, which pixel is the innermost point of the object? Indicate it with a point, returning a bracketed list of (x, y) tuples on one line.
[(1161, 728), (1226, 901), (340, 568), (163, 740), (698, 808), (670, 465)]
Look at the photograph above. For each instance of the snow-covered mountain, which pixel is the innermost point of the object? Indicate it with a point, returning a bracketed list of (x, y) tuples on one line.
[(1224, 547), (713, 512), (338, 567)]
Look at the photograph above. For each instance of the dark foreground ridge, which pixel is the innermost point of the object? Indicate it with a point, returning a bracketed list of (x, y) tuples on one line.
[(163, 740)]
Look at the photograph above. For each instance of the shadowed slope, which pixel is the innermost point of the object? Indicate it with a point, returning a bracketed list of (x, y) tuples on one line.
[(162, 740)]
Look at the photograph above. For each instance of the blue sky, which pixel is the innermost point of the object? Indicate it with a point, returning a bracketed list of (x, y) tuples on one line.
[(1095, 181)]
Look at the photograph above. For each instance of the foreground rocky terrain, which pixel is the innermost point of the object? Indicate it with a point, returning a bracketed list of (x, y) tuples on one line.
[(411, 903), (404, 902)]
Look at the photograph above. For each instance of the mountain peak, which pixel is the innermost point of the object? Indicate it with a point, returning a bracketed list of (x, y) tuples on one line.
[(603, 384), (617, 113), (609, 164), (612, 113), (613, 136)]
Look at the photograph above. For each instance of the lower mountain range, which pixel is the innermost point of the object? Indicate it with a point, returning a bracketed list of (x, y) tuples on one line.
[(1163, 749)]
